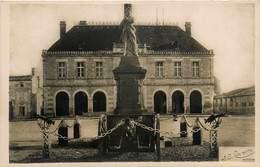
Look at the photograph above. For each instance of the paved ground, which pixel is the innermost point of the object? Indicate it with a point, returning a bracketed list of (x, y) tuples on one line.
[(26, 142)]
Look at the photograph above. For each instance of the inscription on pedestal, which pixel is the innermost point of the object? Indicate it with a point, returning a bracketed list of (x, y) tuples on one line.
[(129, 89), (129, 76)]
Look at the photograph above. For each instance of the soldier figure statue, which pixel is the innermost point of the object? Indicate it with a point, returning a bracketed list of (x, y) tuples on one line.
[(128, 35)]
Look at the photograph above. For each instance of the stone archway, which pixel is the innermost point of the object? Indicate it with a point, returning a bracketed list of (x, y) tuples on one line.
[(195, 102), (160, 102), (62, 104), (178, 102), (99, 102), (81, 103)]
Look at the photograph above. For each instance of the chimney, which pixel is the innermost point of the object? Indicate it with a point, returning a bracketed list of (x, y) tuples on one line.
[(188, 28), (33, 69), (62, 29), (126, 6)]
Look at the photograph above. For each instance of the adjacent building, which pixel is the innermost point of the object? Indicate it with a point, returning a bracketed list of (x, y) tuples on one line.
[(78, 78), (239, 101), (25, 96)]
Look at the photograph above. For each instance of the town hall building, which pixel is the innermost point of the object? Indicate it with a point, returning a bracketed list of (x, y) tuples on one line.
[(78, 77)]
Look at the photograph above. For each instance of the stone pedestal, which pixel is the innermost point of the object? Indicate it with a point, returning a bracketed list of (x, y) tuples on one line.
[(129, 76)]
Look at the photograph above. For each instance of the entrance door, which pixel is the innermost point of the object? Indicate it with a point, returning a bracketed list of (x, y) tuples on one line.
[(195, 102), (160, 102)]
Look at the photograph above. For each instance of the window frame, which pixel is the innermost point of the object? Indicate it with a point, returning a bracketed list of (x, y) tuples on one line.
[(195, 69), (64, 71), (99, 69), (177, 69), (82, 70), (159, 70), (243, 104), (251, 104)]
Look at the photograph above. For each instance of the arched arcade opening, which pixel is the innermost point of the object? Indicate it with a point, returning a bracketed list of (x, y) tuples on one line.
[(178, 102), (195, 102), (160, 102), (99, 102), (81, 103), (62, 104)]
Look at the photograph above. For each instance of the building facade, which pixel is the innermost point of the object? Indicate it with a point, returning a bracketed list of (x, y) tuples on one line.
[(239, 101), (25, 96), (78, 77)]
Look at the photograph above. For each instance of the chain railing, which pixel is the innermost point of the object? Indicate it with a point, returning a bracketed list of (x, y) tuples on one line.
[(50, 132), (46, 133), (102, 135), (137, 124), (213, 134), (160, 131), (187, 122), (204, 126)]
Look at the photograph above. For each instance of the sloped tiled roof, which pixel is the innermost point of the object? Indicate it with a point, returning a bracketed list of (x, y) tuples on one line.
[(20, 78), (102, 37), (238, 92)]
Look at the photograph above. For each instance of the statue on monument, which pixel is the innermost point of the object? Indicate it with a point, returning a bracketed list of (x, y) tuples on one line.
[(128, 35)]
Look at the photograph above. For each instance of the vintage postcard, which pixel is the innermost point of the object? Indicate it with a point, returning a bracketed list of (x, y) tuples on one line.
[(129, 83)]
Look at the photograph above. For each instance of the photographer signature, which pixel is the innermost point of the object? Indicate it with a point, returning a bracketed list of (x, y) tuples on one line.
[(243, 154), (238, 154)]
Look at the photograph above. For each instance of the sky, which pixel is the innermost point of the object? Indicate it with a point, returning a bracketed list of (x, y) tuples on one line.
[(227, 28)]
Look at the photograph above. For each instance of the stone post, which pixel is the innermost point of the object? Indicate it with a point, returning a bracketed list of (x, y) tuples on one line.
[(183, 127), (76, 128), (63, 133), (197, 133)]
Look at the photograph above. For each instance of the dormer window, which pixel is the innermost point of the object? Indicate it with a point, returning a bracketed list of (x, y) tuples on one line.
[(174, 44), (82, 45)]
